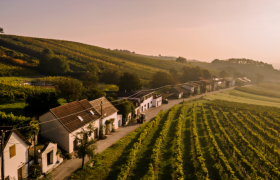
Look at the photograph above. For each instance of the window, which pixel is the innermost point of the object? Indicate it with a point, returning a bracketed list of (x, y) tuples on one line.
[(12, 151), (91, 112), (81, 119), (50, 158)]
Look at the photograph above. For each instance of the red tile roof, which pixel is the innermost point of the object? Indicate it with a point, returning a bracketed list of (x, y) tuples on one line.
[(107, 107), (68, 114)]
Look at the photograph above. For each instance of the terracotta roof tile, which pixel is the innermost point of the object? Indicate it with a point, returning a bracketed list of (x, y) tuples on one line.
[(68, 114)]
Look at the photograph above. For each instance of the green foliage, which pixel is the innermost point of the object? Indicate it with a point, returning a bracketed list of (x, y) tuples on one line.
[(110, 76), (223, 74), (259, 78), (40, 102), (68, 88), (193, 73), (1, 30), (129, 82), (57, 65), (10, 91), (181, 59), (160, 79), (136, 148), (12, 70), (91, 94), (19, 121), (85, 145), (125, 107), (78, 55)]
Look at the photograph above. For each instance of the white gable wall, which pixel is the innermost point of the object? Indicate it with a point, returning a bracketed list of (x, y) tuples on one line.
[(157, 101), (11, 165), (54, 130), (146, 102), (71, 136), (45, 167)]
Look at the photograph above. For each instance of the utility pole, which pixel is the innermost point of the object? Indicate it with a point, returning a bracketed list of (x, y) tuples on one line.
[(100, 124), (2, 154), (34, 146)]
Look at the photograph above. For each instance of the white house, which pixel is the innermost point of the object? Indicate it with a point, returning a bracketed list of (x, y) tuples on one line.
[(157, 100), (46, 155), (109, 112), (60, 124), (15, 154)]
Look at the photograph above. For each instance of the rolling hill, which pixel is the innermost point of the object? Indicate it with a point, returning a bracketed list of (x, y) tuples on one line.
[(79, 54)]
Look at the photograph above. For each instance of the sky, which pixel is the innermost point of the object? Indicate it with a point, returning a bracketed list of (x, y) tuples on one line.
[(203, 30)]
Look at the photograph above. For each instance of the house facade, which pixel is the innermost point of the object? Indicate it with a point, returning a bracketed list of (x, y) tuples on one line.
[(16, 161), (60, 124), (177, 91), (46, 155), (143, 98), (109, 112), (230, 82), (157, 100), (194, 87)]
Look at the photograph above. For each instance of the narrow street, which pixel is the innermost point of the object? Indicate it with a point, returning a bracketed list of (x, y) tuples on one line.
[(70, 166)]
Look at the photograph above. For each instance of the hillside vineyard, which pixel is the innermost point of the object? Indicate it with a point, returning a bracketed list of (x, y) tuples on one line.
[(204, 142)]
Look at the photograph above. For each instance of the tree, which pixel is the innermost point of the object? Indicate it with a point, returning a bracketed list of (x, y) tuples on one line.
[(223, 74), (58, 65), (125, 107), (46, 56), (173, 71), (93, 93), (161, 79), (130, 82), (89, 79), (1, 30), (181, 59), (84, 145), (191, 73), (41, 102), (69, 89), (110, 76), (259, 78), (206, 74), (92, 67)]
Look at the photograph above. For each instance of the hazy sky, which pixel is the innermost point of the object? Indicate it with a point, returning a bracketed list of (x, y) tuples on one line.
[(196, 29)]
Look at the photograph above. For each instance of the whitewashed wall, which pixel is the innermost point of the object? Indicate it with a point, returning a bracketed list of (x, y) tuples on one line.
[(11, 165), (54, 131)]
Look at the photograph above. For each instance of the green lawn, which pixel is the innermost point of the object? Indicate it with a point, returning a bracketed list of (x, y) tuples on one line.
[(17, 108)]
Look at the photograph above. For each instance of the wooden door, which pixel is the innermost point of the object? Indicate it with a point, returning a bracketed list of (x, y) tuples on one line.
[(20, 173)]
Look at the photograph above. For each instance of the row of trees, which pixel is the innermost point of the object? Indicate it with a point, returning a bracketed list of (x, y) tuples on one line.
[(243, 61), (186, 74)]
